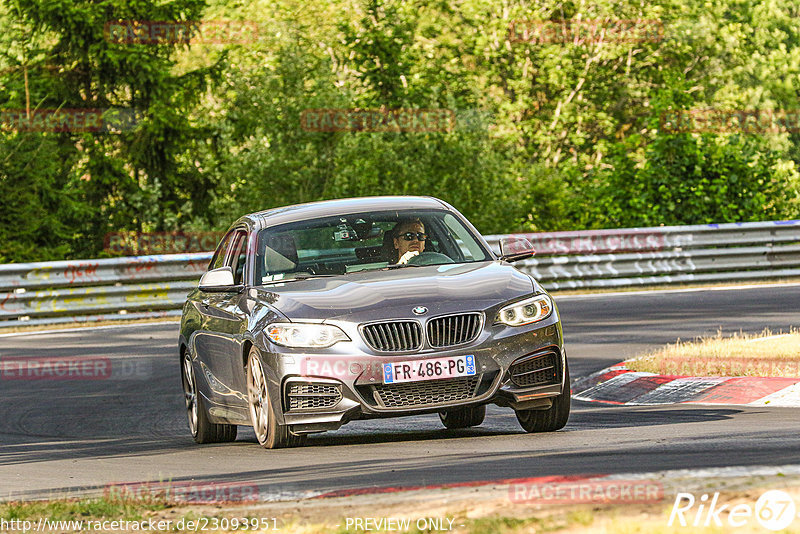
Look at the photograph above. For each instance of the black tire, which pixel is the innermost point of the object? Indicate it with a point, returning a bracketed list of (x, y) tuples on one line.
[(269, 433), (202, 429), (552, 419), (463, 417)]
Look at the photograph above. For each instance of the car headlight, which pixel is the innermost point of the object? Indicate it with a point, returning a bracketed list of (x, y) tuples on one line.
[(307, 335), (526, 311)]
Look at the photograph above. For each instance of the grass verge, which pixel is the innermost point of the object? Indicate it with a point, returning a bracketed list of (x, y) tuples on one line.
[(77, 509), (474, 510), (766, 354)]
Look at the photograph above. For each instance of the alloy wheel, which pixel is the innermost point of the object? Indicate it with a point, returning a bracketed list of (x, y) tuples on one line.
[(190, 393), (257, 394)]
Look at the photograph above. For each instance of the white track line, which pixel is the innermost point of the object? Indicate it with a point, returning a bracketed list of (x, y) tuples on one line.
[(766, 338), (667, 291), (789, 396), (716, 472), (555, 295)]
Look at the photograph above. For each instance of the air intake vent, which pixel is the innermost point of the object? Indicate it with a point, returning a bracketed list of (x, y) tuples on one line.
[(412, 394), (312, 396), (453, 329), (536, 371), (396, 336)]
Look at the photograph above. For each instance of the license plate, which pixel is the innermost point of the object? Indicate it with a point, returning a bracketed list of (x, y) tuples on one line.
[(432, 369)]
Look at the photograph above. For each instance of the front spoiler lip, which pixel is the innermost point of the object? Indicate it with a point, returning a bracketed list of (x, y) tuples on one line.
[(519, 396), (494, 352), (472, 400), (347, 410)]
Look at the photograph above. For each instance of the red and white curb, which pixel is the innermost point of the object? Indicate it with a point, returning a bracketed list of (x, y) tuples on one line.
[(552, 488), (515, 486), (620, 385)]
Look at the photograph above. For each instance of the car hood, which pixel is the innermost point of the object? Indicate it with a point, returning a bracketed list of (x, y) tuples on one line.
[(377, 295)]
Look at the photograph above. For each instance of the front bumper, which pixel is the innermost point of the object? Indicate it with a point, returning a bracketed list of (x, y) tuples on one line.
[(323, 391)]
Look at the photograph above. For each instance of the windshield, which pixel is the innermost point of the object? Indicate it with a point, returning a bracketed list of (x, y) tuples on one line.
[(362, 242)]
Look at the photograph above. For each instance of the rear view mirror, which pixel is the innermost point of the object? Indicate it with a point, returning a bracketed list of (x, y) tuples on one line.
[(217, 280), (514, 248), (356, 230)]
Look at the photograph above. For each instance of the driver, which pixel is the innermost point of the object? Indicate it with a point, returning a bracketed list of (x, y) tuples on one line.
[(409, 239)]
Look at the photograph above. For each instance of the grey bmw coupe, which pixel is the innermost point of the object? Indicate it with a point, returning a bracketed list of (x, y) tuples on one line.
[(314, 315)]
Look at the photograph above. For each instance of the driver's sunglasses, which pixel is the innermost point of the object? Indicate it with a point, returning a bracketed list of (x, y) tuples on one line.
[(410, 236)]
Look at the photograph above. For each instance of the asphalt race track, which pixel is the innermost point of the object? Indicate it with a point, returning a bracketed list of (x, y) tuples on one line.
[(62, 437)]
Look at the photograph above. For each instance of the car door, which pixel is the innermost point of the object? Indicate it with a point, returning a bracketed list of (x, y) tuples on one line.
[(218, 345)]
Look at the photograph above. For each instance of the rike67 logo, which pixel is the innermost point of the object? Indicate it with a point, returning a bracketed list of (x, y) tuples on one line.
[(775, 510)]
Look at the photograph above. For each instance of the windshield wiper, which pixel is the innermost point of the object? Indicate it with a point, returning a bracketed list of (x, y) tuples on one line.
[(306, 276), (399, 265), (299, 276)]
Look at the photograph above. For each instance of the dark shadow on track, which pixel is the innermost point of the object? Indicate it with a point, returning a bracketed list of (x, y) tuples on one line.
[(454, 468), (593, 418), (49, 450), (629, 416)]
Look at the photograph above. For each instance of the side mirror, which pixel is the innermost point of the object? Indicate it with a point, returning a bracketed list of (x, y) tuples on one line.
[(218, 280), (514, 248)]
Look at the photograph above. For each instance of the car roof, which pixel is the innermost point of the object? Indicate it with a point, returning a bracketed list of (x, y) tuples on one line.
[(344, 206)]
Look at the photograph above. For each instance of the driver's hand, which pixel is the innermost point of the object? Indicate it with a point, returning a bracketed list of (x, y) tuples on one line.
[(407, 256)]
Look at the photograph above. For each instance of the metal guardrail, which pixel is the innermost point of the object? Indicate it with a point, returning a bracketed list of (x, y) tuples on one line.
[(156, 286), (90, 290), (663, 255)]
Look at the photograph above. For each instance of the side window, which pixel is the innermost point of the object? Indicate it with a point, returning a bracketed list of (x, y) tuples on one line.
[(238, 256), (219, 256), (466, 243)]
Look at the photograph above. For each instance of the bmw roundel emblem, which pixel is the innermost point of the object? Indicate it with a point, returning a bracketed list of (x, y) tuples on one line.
[(419, 310)]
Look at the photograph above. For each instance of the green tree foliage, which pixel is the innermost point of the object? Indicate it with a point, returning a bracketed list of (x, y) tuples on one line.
[(99, 182), (556, 135)]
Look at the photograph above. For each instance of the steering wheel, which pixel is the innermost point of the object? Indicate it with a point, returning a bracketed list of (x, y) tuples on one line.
[(430, 258)]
